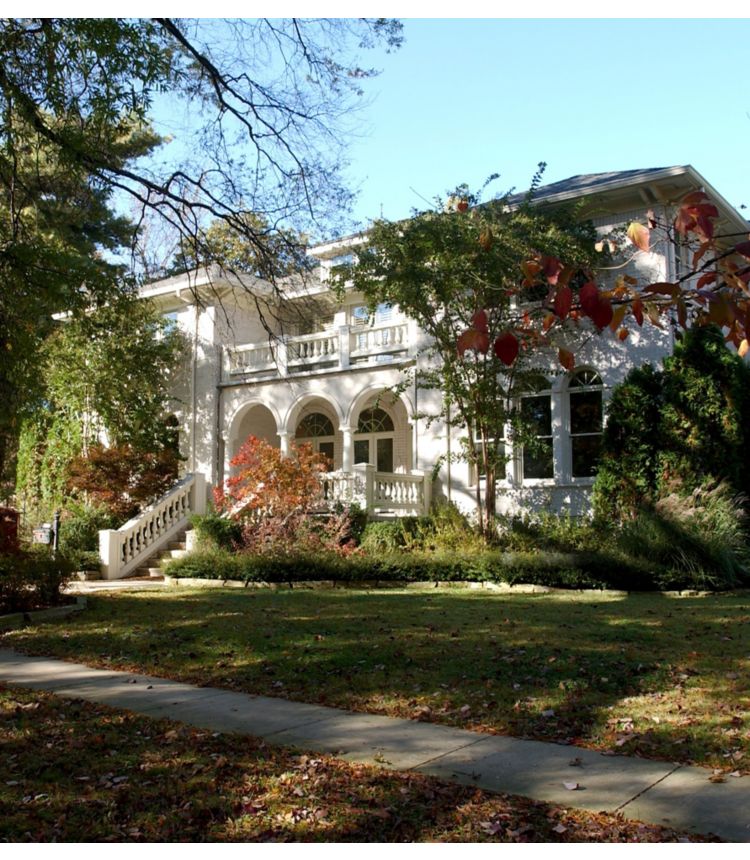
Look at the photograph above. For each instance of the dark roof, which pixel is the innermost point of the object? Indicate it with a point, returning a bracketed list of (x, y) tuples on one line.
[(588, 183)]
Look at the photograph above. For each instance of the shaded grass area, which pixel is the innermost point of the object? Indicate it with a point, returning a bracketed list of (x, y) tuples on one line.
[(72, 771), (646, 675)]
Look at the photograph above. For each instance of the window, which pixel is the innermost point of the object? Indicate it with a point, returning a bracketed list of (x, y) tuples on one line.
[(500, 458), (536, 411), (317, 429), (586, 414), (374, 439), (170, 322), (360, 315)]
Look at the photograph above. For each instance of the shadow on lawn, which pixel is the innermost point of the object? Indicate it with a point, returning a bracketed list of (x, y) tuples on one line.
[(533, 666)]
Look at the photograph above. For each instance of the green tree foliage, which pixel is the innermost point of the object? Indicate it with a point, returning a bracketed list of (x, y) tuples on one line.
[(107, 374), (225, 246), (271, 100), (55, 224), (676, 430), (458, 269)]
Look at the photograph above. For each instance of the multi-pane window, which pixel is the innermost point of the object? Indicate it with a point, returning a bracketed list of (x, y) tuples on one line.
[(317, 430), (538, 459), (373, 441), (586, 414)]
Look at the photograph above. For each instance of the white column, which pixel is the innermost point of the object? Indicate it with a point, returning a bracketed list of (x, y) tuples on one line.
[(344, 347), (198, 501), (284, 442), (347, 453)]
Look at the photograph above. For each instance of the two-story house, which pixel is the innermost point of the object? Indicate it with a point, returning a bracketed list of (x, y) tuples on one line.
[(326, 372)]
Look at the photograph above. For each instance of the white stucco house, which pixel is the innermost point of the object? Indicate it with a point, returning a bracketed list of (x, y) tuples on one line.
[(325, 375)]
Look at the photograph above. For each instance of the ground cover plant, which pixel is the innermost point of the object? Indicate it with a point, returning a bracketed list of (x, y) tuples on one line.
[(108, 775), (643, 674)]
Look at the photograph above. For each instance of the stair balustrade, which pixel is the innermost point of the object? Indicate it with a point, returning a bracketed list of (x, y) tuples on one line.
[(123, 550)]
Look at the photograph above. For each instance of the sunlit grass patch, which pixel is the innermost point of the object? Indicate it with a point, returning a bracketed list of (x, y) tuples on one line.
[(645, 674)]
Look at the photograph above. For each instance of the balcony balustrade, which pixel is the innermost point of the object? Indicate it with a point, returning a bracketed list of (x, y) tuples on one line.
[(336, 349)]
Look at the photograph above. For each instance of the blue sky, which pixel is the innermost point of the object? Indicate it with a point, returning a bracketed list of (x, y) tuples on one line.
[(465, 98)]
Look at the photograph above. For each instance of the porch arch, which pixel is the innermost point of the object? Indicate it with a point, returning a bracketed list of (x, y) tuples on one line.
[(295, 411), (253, 418), (368, 442)]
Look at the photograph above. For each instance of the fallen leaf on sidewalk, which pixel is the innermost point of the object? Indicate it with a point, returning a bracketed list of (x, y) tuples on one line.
[(572, 786)]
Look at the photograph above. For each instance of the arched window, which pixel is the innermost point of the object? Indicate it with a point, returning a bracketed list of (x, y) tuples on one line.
[(374, 420), (586, 421), (374, 438), (317, 429), (536, 411), (313, 425)]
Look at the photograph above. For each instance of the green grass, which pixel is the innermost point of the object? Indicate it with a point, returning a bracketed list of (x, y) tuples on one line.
[(71, 771), (663, 678)]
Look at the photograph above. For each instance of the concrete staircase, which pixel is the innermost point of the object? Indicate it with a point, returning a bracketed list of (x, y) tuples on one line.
[(151, 568)]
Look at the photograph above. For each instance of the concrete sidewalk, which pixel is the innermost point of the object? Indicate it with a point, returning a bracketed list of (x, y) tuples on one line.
[(656, 792)]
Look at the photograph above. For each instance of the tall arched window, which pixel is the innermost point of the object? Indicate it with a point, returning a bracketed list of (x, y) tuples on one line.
[(536, 410), (317, 429), (373, 440), (586, 422)]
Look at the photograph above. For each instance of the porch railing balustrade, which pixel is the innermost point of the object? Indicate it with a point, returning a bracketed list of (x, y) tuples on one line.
[(327, 350)]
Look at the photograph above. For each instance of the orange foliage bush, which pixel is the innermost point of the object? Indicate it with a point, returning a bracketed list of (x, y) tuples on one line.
[(268, 482)]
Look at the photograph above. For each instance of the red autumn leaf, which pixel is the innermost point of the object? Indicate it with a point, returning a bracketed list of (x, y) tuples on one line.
[(588, 296), (743, 248), (563, 301), (623, 333), (462, 205), (551, 267), (639, 235), (638, 311), (479, 321), (663, 289), (566, 359), (694, 198), (708, 278), (477, 341), (602, 313), (685, 221), (549, 321), (506, 348)]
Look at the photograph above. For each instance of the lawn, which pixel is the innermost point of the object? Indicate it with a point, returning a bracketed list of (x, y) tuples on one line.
[(647, 675), (72, 771)]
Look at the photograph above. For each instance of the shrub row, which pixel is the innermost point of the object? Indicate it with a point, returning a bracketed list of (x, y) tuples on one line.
[(562, 570), (31, 580)]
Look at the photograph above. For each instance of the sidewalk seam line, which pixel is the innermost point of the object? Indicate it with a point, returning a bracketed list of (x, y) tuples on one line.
[(450, 752), (648, 788)]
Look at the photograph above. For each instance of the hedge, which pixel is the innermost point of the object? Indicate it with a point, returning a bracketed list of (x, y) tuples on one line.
[(562, 570), (32, 580)]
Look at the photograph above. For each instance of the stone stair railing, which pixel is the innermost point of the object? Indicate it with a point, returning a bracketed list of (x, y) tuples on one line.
[(124, 550)]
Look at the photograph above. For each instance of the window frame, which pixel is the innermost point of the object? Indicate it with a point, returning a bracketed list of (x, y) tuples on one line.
[(569, 436)]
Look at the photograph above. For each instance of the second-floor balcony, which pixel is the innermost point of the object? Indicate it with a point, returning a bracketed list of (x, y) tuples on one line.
[(335, 349)]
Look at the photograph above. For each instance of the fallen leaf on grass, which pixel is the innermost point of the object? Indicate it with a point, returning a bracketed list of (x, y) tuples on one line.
[(572, 786), (560, 828)]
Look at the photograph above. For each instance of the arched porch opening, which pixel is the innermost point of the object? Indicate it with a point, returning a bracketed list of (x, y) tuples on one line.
[(255, 419)]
